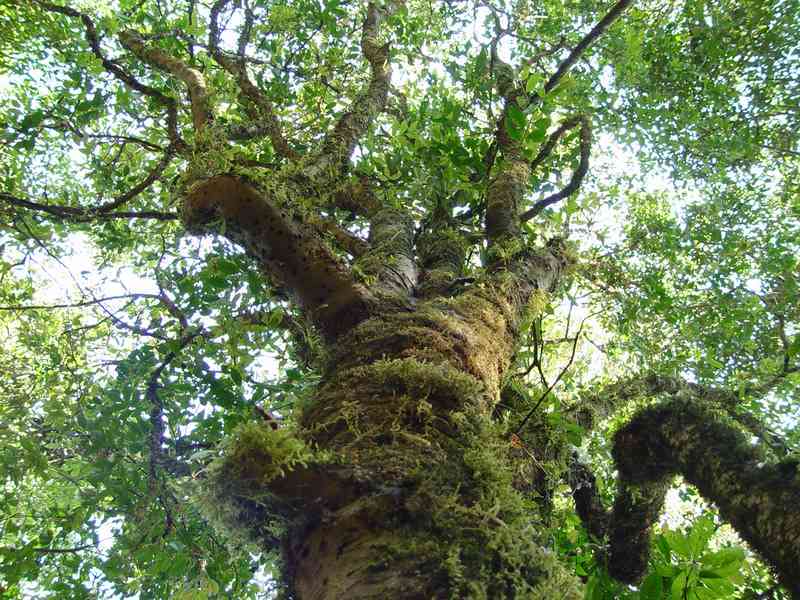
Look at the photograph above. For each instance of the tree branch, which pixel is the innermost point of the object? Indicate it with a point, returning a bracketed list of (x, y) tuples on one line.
[(339, 143), (107, 210), (760, 499), (80, 215), (280, 239), (76, 304), (579, 173), (390, 259), (264, 117), (114, 69), (614, 396), (598, 30), (194, 81), (508, 185)]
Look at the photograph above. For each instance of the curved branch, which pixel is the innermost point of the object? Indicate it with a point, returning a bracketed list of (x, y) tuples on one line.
[(266, 121), (579, 173), (281, 240), (614, 396), (195, 83), (548, 146), (761, 500), (153, 176), (114, 69)]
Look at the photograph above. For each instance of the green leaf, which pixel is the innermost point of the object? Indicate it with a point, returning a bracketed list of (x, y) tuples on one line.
[(32, 120), (680, 586), (652, 587), (515, 121)]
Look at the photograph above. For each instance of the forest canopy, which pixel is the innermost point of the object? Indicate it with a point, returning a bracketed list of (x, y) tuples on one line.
[(562, 237)]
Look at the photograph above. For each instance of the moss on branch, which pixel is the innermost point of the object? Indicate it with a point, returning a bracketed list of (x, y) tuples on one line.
[(759, 498)]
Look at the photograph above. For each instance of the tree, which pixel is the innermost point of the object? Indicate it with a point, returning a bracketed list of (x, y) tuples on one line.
[(470, 329)]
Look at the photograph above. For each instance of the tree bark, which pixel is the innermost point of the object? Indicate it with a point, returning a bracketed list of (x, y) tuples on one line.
[(397, 481)]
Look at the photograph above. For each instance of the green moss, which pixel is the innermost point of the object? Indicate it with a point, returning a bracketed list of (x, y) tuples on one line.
[(235, 496), (485, 537), (422, 380)]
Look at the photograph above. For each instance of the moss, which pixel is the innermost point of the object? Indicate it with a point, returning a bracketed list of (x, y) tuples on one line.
[(236, 497), (485, 537), (423, 381)]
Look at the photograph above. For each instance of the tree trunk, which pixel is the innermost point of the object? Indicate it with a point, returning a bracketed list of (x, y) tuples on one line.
[(398, 482)]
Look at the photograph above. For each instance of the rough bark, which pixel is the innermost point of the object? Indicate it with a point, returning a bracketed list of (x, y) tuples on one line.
[(406, 407)]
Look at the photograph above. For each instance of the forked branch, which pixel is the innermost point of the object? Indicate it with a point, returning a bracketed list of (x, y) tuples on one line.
[(114, 69), (339, 143)]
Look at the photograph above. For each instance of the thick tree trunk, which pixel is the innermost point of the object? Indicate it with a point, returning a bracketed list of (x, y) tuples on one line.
[(398, 482)]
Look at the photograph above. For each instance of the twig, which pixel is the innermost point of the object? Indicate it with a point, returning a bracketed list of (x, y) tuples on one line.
[(557, 379)]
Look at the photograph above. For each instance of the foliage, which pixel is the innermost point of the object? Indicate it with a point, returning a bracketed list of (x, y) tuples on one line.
[(686, 229)]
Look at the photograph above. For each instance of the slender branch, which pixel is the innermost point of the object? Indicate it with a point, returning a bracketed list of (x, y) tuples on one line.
[(339, 143), (577, 176), (76, 304), (80, 215), (52, 550), (107, 210), (157, 409), (114, 69), (548, 146), (557, 379), (266, 121), (598, 30), (153, 176)]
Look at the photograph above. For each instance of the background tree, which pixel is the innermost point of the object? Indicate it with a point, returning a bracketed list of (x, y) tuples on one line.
[(346, 313)]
